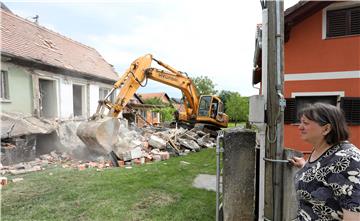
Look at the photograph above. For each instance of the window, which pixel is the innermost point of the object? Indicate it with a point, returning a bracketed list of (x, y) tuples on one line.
[(204, 105), (154, 115), (78, 100), (103, 92), (143, 113), (4, 85), (343, 22), (351, 108), (294, 105), (48, 100)]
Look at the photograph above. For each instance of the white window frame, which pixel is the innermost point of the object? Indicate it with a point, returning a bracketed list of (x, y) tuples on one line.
[(339, 95), (5, 86), (84, 98), (335, 6)]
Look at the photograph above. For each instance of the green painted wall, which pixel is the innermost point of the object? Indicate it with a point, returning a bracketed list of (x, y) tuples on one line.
[(20, 90)]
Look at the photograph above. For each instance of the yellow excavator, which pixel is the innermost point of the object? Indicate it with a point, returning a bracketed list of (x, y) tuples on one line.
[(100, 132)]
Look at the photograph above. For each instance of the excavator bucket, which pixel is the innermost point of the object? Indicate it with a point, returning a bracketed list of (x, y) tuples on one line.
[(99, 135)]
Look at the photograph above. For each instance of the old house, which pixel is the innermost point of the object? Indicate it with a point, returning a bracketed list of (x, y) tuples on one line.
[(153, 116), (134, 110), (321, 63), (45, 75)]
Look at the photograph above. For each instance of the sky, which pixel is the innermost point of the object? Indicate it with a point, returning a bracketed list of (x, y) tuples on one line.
[(214, 38)]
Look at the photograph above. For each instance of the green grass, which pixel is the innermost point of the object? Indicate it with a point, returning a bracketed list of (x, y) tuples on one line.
[(238, 124), (158, 191)]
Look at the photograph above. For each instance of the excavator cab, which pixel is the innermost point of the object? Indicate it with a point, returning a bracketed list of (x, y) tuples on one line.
[(211, 110)]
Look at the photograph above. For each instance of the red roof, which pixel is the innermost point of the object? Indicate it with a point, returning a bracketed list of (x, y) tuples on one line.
[(162, 96), (28, 40)]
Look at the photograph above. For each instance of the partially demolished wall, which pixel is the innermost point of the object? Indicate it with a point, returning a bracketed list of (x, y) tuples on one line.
[(134, 145)]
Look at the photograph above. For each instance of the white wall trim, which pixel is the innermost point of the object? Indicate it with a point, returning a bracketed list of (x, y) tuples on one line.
[(322, 76), (335, 6), (321, 93)]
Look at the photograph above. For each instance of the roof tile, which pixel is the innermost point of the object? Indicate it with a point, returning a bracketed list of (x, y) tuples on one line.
[(29, 40)]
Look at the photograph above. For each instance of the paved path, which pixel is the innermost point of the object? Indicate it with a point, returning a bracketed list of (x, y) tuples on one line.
[(206, 181)]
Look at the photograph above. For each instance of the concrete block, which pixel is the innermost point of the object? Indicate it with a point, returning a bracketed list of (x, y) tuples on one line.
[(164, 155), (189, 144), (156, 158), (131, 154), (157, 142)]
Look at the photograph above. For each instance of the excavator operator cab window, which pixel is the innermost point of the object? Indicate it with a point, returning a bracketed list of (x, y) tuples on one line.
[(214, 108), (221, 108), (204, 107)]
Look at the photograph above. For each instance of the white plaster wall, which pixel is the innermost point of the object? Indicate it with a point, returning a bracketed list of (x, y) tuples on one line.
[(66, 99), (94, 98)]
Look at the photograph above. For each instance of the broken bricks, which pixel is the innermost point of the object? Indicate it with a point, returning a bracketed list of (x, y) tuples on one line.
[(137, 147), (3, 181)]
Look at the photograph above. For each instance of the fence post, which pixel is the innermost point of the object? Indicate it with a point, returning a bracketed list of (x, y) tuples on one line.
[(239, 174)]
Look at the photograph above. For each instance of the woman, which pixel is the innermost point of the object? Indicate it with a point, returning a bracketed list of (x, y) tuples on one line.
[(328, 184)]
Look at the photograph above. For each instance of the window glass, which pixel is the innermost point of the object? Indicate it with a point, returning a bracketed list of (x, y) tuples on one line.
[(143, 113), (204, 105)]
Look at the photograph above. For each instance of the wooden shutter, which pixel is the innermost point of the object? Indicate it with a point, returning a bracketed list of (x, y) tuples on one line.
[(351, 108), (343, 22), (336, 23), (355, 21), (290, 111)]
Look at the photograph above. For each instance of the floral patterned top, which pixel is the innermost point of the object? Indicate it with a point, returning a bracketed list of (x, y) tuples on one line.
[(330, 184)]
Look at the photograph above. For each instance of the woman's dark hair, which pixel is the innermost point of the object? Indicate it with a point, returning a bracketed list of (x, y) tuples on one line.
[(323, 114)]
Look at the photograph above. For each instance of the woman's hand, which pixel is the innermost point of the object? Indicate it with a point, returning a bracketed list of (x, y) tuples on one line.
[(298, 162), (351, 216)]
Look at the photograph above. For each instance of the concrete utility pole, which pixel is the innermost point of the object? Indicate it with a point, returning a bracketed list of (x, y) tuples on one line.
[(275, 105)]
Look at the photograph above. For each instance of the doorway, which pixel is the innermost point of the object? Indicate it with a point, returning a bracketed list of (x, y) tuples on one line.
[(78, 100), (48, 98)]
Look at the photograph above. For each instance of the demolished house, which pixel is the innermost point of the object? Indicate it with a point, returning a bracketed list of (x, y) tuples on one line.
[(47, 82)]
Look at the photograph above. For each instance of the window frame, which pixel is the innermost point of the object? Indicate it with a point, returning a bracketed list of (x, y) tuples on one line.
[(338, 94), (102, 90), (84, 99), (5, 87), (335, 7)]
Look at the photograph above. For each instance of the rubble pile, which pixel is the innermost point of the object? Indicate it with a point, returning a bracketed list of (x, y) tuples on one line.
[(156, 144), (136, 146)]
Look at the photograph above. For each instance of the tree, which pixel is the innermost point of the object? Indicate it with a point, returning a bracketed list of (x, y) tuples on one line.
[(204, 85), (237, 107), (225, 95), (154, 101)]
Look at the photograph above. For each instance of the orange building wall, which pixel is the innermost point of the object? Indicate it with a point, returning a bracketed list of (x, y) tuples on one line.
[(307, 52), (292, 138), (351, 86)]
